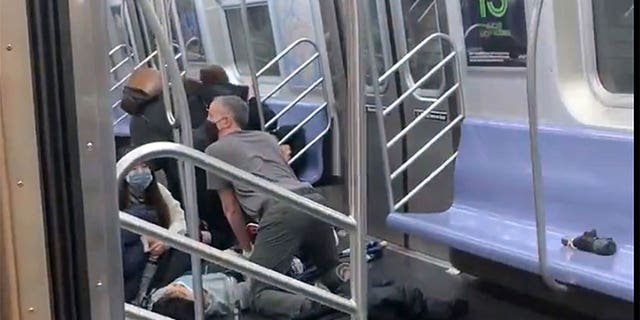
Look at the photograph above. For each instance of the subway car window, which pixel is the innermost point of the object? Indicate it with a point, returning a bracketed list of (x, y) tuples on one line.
[(613, 29), (420, 21), (261, 38), (190, 30), (376, 28)]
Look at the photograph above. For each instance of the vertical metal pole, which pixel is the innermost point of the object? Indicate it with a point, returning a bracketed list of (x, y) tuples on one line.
[(251, 59), (356, 165), (205, 32), (178, 26), (166, 94), (536, 167), (186, 138), (382, 134)]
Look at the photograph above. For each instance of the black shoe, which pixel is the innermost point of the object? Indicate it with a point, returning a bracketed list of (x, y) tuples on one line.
[(440, 310)]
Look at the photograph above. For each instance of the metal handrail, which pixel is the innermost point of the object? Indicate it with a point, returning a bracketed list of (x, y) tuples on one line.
[(163, 28), (182, 46), (183, 134), (279, 86), (381, 112), (311, 143), (251, 60), (294, 102), (418, 84), (138, 66), (422, 115), (415, 50), (429, 8), (291, 76), (284, 52), (226, 171), (126, 20), (536, 167), (132, 312), (303, 122), (424, 182), (121, 63), (116, 48), (426, 147)]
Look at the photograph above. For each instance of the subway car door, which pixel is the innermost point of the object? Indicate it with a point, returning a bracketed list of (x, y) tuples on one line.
[(413, 21), (377, 204)]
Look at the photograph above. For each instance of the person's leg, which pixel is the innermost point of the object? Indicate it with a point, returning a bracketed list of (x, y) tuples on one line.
[(278, 240), (319, 244)]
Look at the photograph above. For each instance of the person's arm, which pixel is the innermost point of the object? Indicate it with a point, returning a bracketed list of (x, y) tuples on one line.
[(178, 223), (234, 215)]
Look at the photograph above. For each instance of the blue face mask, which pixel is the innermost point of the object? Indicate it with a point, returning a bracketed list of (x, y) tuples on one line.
[(139, 180)]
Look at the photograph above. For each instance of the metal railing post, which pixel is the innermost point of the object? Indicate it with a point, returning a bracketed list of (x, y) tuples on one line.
[(357, 173), (234, 261), (536, 167), (251, 59), (184, 135)]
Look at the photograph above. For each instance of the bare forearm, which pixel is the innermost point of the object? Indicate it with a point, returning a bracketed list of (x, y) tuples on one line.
[(238, 225)]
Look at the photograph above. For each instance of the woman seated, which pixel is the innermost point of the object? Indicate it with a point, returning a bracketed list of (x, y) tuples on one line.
[(142, 196)]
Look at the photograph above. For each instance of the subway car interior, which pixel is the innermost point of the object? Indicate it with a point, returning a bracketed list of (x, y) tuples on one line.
[(474, 150)]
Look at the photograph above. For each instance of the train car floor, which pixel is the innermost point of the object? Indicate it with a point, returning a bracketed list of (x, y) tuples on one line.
[(485, 301)]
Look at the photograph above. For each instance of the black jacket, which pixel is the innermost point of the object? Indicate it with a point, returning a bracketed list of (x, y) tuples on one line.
[(134, 259)]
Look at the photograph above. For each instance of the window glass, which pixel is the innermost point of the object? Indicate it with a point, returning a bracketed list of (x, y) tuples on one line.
[(377, 45), (261, 38), (613, 29), (420, 21), (190, 30)]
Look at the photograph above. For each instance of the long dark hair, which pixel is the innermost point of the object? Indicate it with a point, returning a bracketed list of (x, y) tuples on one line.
[(152, 198)]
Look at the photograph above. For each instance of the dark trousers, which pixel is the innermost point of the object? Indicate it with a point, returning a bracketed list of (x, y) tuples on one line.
[(283, 233)]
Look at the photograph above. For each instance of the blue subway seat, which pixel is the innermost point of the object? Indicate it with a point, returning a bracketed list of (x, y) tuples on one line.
[(314, 155), (588, 184)]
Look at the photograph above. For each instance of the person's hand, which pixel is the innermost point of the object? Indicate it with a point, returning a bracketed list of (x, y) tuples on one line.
[(285, 149), (156, 248), (247, 253), (205, 237)]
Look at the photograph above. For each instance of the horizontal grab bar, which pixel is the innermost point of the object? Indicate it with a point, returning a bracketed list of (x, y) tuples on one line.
[(235, 262), (121, 63), (284, 52), (303, 122), (424, 182), (294, 102), (420, 82), (289, 77), (411, 53), (426, 147), (116, 48), (132, 312), (311, 143), (142, 63), (224, 170), (423, 115)]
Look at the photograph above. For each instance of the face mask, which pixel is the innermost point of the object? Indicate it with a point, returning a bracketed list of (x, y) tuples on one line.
[(139, 180)]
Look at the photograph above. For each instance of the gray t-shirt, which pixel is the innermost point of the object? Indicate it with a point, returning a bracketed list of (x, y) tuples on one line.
[(258, 153)]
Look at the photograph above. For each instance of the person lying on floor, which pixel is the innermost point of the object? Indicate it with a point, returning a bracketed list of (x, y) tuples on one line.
[(226, 291)]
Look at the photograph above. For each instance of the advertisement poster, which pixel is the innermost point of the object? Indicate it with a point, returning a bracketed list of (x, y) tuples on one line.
[(495, 32)]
